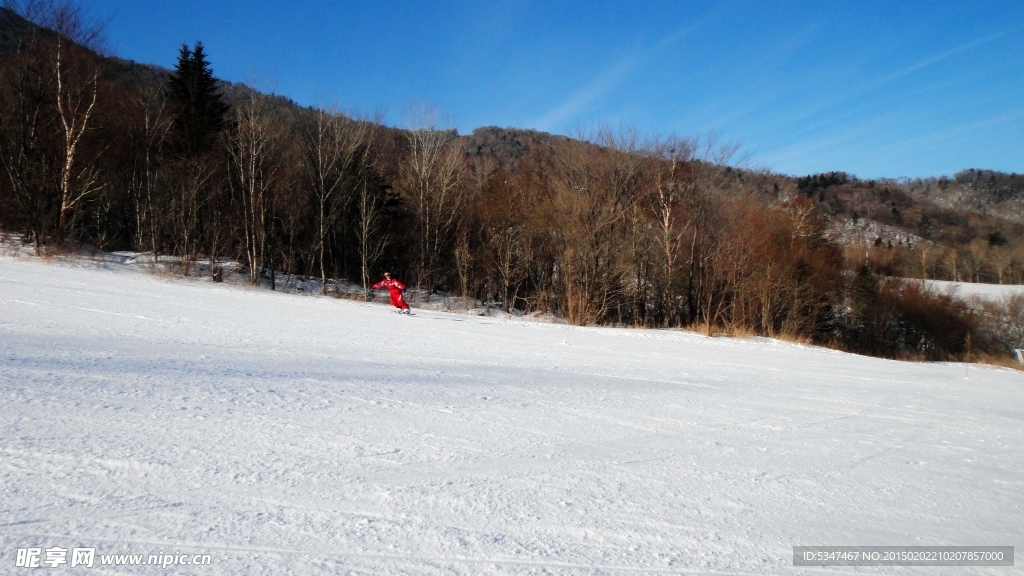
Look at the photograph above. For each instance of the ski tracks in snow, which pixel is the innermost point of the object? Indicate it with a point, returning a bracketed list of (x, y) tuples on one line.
[(309, 435)]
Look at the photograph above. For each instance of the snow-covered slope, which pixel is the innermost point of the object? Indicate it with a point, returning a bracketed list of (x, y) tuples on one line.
[(976, 290), (282, 434)]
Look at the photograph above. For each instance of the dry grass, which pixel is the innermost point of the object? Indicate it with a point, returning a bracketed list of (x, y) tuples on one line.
[(1003, 361), (702, 328), (746, 332), (715, 331), (796, 339)]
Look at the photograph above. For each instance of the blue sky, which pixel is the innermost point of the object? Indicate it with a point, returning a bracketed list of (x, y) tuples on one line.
[(877, 89)]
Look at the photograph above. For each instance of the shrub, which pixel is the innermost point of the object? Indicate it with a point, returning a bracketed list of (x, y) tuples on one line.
[(904, 319)]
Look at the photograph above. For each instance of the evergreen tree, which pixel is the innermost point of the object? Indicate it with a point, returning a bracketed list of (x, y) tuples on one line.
[(196, 103), (897, 217), (925, 229)]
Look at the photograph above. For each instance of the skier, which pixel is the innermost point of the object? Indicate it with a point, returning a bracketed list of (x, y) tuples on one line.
[(396, 289)]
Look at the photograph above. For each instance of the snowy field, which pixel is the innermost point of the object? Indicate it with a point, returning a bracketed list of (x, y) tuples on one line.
[(976, 290), (305, 435)]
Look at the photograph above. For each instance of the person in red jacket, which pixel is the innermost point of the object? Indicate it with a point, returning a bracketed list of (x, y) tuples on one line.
[(396, 289)]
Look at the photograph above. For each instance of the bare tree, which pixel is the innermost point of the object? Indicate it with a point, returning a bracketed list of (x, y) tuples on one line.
[(156, 125), (598, 177), (193, 187), (1000, 258), (332, 146), (708, 176), (372, 238), (431, 183), (463, 266), (504, 210), (977, 255), (667, 195), (25, 115), (77, 87), (926, 253), (951, 262), (254, 150), (54, 76)]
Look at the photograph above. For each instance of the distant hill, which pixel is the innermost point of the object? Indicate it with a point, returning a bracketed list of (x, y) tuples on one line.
[(971, 204)]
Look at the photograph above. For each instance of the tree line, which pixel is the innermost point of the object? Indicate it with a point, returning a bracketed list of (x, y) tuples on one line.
[(608, 227)]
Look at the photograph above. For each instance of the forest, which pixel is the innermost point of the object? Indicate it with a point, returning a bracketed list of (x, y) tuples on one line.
[(607, 227)]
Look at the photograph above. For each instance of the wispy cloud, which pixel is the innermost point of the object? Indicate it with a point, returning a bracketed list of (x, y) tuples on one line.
[(576, 103), (939, 57), (819, 148), (863, 106), (579, 100), (857, 91), (956, 134), (877, 154)]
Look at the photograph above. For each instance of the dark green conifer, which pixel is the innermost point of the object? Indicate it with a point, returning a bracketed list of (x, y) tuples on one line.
[(196, 102)]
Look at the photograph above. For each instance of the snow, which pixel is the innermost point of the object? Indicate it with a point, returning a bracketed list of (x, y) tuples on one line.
[(970, 290), (286, 434), (866, 232)]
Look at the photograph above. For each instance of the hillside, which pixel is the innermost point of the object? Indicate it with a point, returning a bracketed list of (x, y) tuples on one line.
[(614, 228), (994, 199), (286, 434)]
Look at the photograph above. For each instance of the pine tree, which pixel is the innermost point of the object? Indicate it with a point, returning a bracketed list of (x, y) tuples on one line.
[(196, 103)]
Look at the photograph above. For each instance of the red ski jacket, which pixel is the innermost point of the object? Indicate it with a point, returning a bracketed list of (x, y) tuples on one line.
[(392, 285), (395, 288)]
